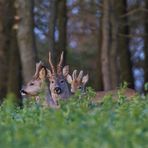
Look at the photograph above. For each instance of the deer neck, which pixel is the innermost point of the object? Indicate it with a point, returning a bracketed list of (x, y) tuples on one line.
[(47, 99)]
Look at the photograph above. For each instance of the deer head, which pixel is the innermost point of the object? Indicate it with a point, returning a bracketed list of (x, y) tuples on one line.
[(58, 84), (34, 86), (77, 82), (39, 84)]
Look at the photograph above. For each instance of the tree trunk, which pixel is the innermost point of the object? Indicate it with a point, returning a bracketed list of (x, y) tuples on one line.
[(146, 45), (25, 37), (114, 46), (9, 54), (4, 45), (123, 42), (99, 82), (52, 28), (14, 71), (62, 28), (57, 29), (105, 46)]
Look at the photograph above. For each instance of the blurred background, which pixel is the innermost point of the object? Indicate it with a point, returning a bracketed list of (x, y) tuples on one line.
[(108, 39)]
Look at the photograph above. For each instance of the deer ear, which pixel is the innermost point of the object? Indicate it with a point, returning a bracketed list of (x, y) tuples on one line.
[(42, 73), (69, 79), (85, 79), (49, 73), (65, 70)]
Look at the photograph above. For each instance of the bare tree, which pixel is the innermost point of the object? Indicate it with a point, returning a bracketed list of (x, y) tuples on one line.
[(9, 54), (57, 29), (105, 46), (14, 67), (99, 82), (14, 64), (5, 39), (25, 37), (146, 45), (52, 28), (114, 44), (62, 28), (123, 44), (3, 47), (115, 47)]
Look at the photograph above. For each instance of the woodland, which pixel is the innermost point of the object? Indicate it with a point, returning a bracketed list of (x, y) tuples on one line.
[(106, 39)]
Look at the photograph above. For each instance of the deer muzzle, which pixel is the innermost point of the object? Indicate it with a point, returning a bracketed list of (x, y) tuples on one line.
[(58, 90), (23, 92)]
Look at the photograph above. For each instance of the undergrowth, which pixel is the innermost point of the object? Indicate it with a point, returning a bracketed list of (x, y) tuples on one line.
[(79, 123)]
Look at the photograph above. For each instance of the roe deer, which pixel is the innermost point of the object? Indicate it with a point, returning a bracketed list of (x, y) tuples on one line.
[(58, 84), (77, 82), (127, 92), (39, 85)]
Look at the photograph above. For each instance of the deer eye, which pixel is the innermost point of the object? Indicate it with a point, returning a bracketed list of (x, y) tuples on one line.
[(79, 87), (31, 84), (52, 82), (62, 81)]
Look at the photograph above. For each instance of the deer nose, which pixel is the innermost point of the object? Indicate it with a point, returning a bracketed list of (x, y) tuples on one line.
[(23, 92), (57, 90)]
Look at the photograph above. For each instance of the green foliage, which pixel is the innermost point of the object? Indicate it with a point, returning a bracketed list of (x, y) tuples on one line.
[(146, 86), (78, 123), (123, 85)]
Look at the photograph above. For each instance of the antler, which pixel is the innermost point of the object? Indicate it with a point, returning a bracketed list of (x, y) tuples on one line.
[(51, 65), (59, 67), (38, 68), (74, 75), (80, 75)]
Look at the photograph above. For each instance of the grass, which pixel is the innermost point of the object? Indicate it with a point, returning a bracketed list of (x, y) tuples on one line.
[(79, 123)]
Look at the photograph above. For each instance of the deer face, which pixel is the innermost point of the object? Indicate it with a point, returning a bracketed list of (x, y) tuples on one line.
[(35, 86), (58, 84), (32, 88), (77, 82)]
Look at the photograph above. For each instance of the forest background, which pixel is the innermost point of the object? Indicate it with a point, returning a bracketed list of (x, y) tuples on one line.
[(107, 39)]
